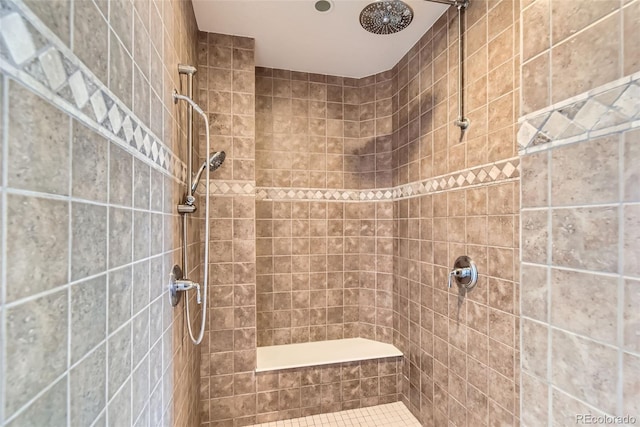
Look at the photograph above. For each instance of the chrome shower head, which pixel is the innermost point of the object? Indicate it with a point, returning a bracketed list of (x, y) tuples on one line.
[(215, 161), (386, 16)]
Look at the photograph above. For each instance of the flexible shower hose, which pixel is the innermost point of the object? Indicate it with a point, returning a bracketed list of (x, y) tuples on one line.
[(205, 285)]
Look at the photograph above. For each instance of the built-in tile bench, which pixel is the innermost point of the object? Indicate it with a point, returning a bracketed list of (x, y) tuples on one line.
[(298, 380), (278, 357)]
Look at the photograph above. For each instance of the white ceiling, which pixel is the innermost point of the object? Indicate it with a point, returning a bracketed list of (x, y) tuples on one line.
[(292, 35)]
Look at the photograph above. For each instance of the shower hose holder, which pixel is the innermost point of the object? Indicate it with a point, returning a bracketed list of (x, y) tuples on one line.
[(464, 272)]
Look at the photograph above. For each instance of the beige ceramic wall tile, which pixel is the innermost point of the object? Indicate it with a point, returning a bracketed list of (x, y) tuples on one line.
[(598, 46), (595, 295), (586, 238), (586, 173)]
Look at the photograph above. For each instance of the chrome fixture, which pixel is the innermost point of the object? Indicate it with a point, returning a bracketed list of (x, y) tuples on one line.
[(456, 3), (386, 16), (215, 161), (178, 283), (464, 272), (462, 122)]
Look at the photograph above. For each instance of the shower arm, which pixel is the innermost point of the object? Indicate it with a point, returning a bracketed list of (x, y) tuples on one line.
[(455, 3), (462, 122)]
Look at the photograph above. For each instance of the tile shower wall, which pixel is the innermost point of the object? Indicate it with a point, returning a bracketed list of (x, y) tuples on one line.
[(89, 226), (322, 132), (308, 271), (307, 253), (461, 351), (228, 352), (580, 217)]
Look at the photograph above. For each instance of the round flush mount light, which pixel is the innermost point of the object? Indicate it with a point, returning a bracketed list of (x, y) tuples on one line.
[(323, 6)]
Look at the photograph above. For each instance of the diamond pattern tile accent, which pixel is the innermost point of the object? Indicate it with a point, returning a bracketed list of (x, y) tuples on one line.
[(79, 89), (154, 151), (146, 146), (470, 177), (137, 142), (224, 188), (556, 125), (627, 104), (507, 169), (115, 119), (494, 172), (589, 115), (613, 107), (53, 68), (17, 38), (47, 67), (128, 129), (99, 106)]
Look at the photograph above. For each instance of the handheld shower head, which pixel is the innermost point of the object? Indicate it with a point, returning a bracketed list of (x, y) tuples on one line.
[(215, 161)]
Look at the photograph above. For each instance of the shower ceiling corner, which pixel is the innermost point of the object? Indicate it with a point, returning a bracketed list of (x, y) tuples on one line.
[(293, 35)]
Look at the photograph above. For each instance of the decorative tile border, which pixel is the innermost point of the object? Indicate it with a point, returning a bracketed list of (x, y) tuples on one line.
[(31, 54), (611, 108), (485, 174), (229, 188), (286, 193)]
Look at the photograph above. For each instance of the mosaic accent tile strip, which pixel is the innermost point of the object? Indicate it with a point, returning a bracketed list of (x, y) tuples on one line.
[(31, 54), (493, 172), (611, 108), (222, 188), (276, 193)]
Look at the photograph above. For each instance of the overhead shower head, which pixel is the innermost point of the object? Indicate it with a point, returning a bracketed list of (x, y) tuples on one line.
[(386, 16), (215, 161)]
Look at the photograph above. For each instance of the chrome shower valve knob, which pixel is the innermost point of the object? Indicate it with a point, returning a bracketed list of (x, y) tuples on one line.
[(459, 273), (185, 285), (464, 272)]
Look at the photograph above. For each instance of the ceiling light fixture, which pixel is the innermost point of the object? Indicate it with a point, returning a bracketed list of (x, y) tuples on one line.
[(323, 5)]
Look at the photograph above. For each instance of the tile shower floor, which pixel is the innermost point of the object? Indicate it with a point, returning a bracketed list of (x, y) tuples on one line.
[(389, 415)]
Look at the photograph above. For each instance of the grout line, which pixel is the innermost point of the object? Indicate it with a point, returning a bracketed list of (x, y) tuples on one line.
[(69, 267), (102, 412), (576, 334), (621, 270), (38, 395), (581, 401), (81, 280), (576, 270), (71, 24), (62, 198), (4, 120), (133, 240), (549, 262), (107, 280), (73, 366)]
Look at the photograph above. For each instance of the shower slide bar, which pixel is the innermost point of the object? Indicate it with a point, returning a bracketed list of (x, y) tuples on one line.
[(178, 283)]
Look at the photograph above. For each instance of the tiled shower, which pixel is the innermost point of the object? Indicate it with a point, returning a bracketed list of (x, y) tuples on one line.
[(338, 213)]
